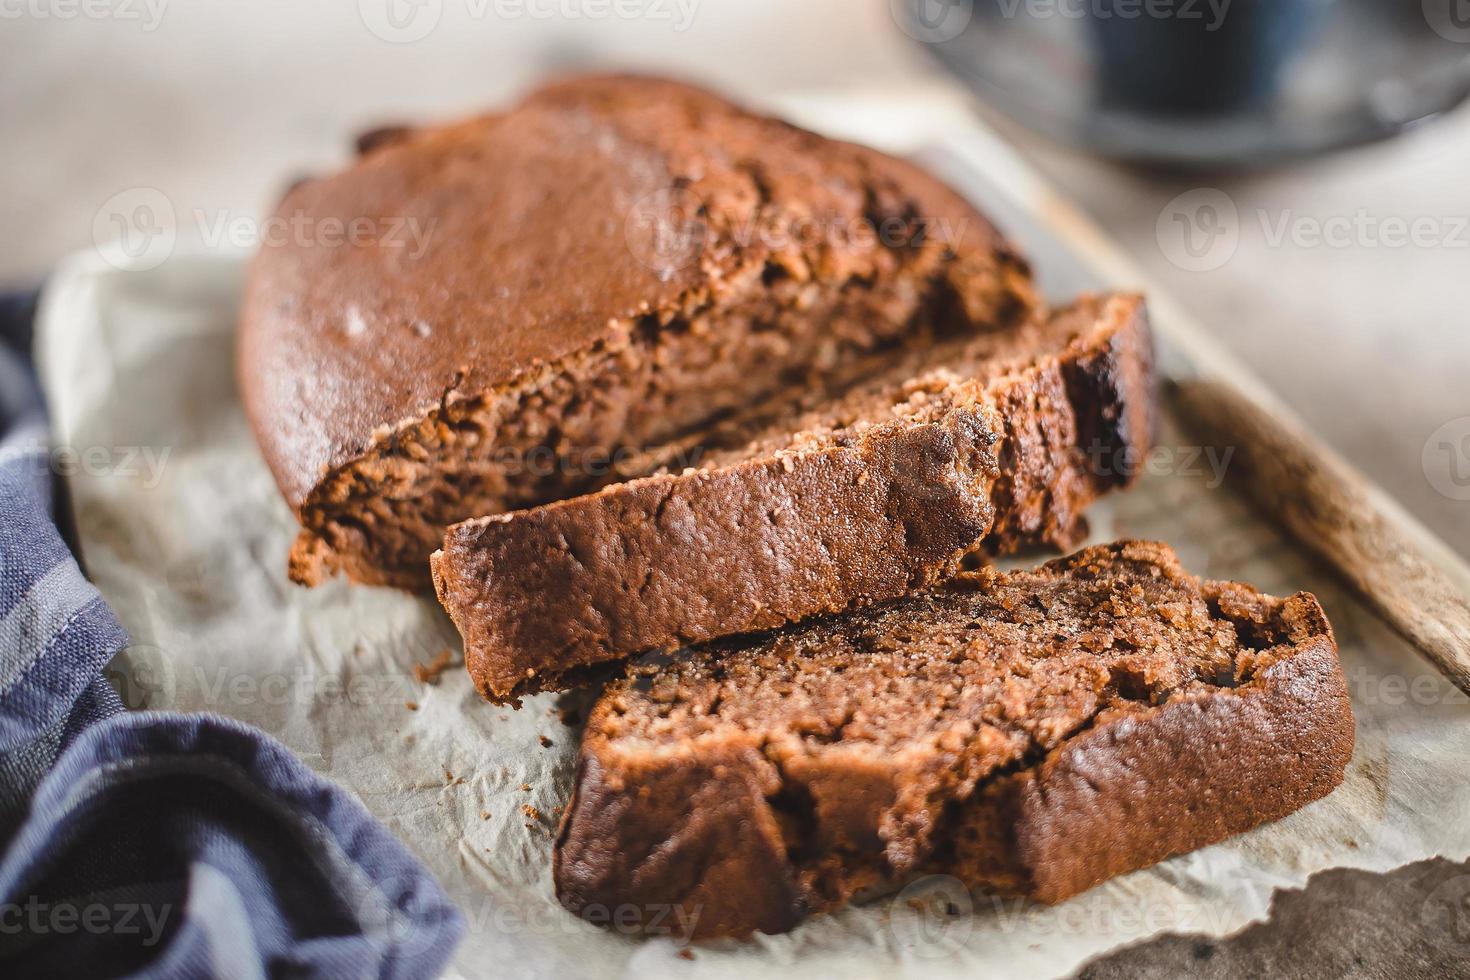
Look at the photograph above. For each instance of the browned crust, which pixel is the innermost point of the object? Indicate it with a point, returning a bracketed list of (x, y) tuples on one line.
[(672, 828), (691, 841), (1111, 387), (1136, 790), (686, 558), (678, 559), (500, 253)]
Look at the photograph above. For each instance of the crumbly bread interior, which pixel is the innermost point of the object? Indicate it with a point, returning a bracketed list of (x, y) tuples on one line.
[(918, 385), (666, 376), (877, 491), (872, 727)]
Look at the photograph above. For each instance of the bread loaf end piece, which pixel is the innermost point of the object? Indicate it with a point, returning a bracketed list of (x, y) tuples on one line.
[(1032, 733)]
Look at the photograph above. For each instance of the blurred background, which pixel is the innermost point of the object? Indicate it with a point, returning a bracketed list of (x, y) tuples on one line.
[(1347, 279)]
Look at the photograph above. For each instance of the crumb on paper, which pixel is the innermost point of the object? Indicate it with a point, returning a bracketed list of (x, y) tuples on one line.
[(686, 953), (411, 705), (530, 811), (546, 743), (525, 787), (484, 814), (430, 672)]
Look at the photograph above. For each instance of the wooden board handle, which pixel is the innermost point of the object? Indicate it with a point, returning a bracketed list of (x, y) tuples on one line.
[(1327, 507)]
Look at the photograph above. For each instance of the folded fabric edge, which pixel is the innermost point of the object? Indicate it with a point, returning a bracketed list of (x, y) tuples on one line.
[(405, 923)]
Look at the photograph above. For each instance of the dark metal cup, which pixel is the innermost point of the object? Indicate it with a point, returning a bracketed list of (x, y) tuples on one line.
[(1196, 57)]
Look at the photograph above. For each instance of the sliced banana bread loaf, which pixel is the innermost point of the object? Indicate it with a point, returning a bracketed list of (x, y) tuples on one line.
[(1034, 733), (867, 497), (478, 317)]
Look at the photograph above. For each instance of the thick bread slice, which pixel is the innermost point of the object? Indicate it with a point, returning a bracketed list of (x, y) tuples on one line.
[(1033, 733), (611, 264), (866, 498)]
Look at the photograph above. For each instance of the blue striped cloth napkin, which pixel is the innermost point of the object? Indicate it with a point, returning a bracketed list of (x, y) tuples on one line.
[(153, 844)]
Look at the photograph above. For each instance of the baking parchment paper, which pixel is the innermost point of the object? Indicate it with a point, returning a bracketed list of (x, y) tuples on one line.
[(184, 532)]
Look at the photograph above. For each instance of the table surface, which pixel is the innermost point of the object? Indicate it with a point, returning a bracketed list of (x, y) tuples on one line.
[(217, 106)]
